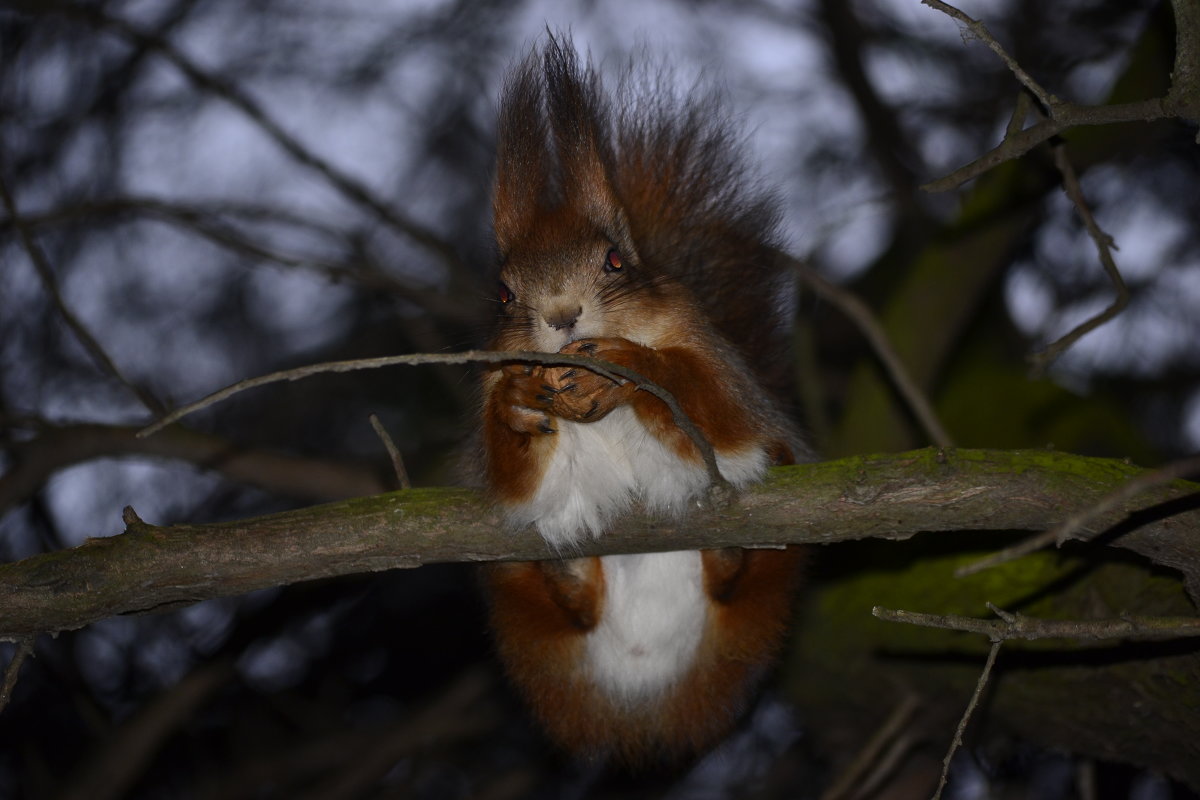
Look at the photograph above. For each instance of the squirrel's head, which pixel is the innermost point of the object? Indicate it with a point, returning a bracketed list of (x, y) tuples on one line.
[(569, 267)]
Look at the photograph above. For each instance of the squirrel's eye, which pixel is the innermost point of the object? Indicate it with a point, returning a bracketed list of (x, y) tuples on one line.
[(505, 294), (613, 262)]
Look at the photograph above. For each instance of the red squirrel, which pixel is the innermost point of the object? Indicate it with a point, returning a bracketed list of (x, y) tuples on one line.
[(626, 231)]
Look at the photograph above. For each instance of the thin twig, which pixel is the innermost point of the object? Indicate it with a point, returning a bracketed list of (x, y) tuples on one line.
[(392, 451), (861, 315), (1085, 780), (1104, 247), (1059, 115), (120, 205), (55, 447), (719, 489), (120, 758), (1020, 111), (461, 711), (22, 651), (209, 220), (298, 373), (1048, 100), (375, 279), (350, 187), (895, 756), (1072, 525), (1019, 626), (1066, 116), (865, 763), (46, 273), (966, 717)]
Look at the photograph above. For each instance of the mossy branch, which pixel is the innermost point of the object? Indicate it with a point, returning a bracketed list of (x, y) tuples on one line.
[(890, 496)]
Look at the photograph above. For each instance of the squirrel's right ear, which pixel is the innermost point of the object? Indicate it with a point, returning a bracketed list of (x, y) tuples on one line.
[(580, 115), (522, 162)]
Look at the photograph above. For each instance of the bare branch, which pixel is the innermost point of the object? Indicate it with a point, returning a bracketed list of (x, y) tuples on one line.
[(966, 717), (1085, 779), (134, 204), (120, 759), (56, 447), (1072, 525), (460, 711), (861, 315), (1181, 101), (206, 223), (980, 31), (1018, 626), (349, 187), (1066, 116), (46, 273), (894, 496), (1021, 109), (890, 146), (1059, 115), (209, 221), (392, 451), (1104, 247), (867, 769), (24, 647), (299, 373), (1184, 95), (720, 492)]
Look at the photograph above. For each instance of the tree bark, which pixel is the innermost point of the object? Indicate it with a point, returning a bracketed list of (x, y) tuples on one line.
[(890, 496), (1135, 702)]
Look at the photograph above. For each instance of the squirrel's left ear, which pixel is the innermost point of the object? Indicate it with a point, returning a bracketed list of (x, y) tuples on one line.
[(523, 156)]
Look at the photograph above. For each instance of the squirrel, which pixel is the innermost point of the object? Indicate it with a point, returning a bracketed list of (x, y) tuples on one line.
[(625, 231)]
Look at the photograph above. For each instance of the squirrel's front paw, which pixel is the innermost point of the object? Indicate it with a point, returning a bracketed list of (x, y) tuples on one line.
[(582, 395), (529, 420), (526, 400)]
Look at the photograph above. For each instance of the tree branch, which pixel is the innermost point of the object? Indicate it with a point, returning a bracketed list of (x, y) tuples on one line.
[(393, 452), (1074, 525), (871, 766), (119, 759), (956, 742), (719, 491), (46, 273), (1104, 247), (1181, 101), (869, 326), (210, 221), (980, 31), (889, 143), (1066, 116), (22, 650), (347, 185), (58, 447), (1019, 626), (149, 567)]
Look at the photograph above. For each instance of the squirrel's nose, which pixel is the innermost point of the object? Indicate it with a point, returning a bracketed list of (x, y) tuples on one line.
[(563, 318)]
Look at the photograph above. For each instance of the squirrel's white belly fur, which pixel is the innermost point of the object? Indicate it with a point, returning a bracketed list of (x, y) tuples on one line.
[(654, 615), (654, 604), (600, 469)]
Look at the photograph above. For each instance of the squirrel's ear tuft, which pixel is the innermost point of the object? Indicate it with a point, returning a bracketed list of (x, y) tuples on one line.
[(523, 157), (555, 148), (580, 116)]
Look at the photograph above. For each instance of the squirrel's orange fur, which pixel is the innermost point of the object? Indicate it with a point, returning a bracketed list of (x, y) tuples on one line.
[(626, 232)]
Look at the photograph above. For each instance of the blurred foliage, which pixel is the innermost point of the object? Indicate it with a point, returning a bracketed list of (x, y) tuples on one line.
[(224, 189)]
